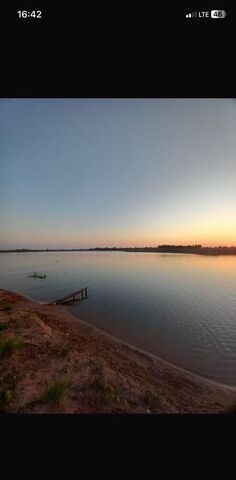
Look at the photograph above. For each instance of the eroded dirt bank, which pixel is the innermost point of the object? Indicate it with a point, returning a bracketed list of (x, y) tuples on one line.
[(50, 362)]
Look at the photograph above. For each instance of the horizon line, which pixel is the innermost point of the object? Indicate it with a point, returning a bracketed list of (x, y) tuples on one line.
[(117, 248)]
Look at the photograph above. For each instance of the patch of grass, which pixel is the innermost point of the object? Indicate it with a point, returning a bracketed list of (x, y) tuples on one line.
[(97, 367), (8, 387), (63, 351), (7, 347), (150, 400), (5, 398), (100, 385), (3, 326), (114, 393), (6, 307), (54, 392), (106, 392), (12, 378)]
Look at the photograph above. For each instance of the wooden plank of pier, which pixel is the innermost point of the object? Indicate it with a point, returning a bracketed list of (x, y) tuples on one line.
[(83, 292)]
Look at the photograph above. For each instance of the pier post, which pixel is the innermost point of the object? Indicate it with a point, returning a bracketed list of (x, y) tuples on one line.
[(81, 294)]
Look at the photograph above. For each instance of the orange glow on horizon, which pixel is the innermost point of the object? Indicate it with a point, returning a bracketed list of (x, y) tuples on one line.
[(209, 233)]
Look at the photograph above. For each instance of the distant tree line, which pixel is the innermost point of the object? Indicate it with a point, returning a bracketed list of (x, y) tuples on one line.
[(196, 248)]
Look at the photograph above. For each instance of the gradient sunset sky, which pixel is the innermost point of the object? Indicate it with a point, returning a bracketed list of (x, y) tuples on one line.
[(121, 172)]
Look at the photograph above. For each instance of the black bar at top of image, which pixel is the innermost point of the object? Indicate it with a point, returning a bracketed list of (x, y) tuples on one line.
[(142, 53)]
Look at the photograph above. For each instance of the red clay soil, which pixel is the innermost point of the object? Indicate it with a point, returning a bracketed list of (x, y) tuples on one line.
[(51, 362)]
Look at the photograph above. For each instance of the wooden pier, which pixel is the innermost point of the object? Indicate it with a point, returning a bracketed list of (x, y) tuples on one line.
[(81, 294)]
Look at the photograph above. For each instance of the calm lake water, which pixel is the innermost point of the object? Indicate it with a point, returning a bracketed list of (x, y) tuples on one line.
[(180, 307)]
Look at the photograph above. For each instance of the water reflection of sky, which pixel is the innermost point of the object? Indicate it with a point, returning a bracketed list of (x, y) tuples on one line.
[(181, 307)]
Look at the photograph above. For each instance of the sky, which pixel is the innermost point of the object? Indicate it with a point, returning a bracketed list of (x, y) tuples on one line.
[(78, 173)]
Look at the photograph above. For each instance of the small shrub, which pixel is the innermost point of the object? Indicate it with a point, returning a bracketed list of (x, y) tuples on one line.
[(106, 392), (6, 307), (54, 392), (150, 400), (100, 385), (3, 326), (5, 398), (63, 351), (9, 346), (98, 368), (11, 379), (115, 395)]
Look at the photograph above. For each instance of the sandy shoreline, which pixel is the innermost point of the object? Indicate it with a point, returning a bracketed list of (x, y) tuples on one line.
[(105, 373), (133, 349)]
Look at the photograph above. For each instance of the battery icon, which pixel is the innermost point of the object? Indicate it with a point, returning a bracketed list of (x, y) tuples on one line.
[(218, 14)]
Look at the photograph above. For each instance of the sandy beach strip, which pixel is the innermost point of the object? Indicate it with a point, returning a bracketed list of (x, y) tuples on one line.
[(52, 362)]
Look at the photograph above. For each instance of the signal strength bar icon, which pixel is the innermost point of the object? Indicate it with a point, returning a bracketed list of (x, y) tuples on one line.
[(191, 15)]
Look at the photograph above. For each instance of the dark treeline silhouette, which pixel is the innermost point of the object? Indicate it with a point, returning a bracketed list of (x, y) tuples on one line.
[(197, 249)]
